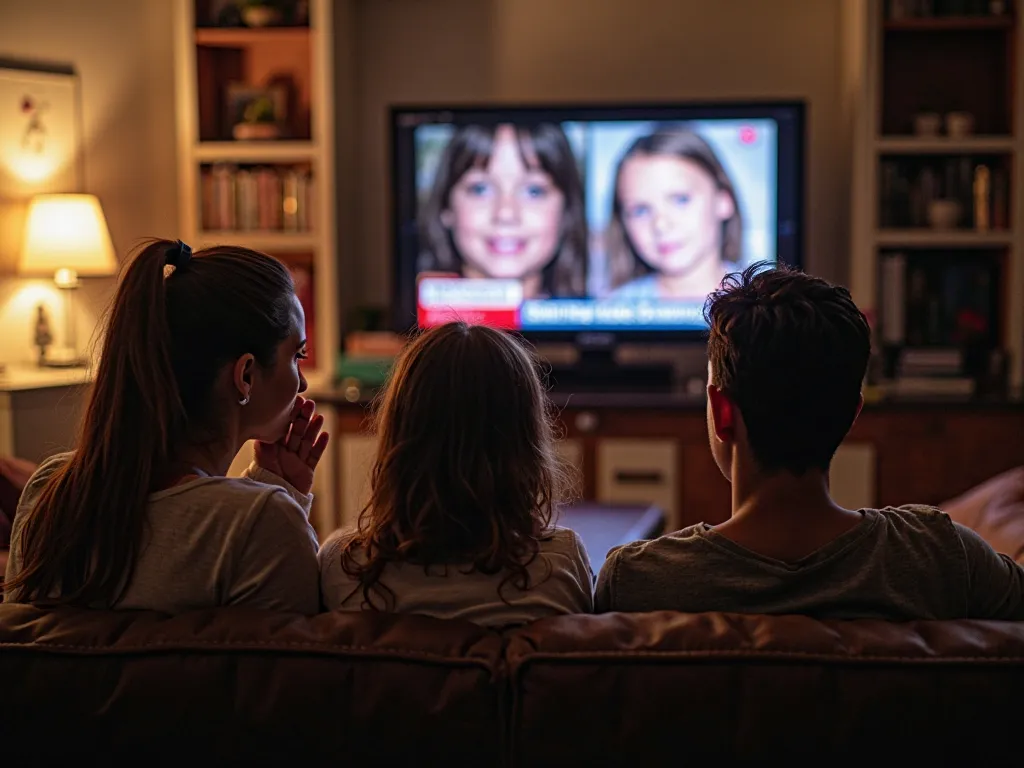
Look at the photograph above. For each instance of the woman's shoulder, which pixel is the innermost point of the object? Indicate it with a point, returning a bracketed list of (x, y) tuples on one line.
[(41, 476)]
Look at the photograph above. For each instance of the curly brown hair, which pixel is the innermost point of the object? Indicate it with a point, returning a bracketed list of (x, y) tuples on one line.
[(466, 471)]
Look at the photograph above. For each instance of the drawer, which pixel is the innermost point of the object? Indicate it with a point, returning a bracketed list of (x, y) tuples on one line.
[(639, 472)]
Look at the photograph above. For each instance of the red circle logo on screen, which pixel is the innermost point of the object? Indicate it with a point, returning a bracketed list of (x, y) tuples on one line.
[(748, 135)]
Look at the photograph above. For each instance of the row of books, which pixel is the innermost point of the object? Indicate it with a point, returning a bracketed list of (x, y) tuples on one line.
[(932, 301), (256, 198), (940, 320), (908, 186)]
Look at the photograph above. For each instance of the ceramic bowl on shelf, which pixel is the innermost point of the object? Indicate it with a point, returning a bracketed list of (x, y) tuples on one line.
[(927, 124), (256, 132), (943, 214), (260, 16), (959, 125)]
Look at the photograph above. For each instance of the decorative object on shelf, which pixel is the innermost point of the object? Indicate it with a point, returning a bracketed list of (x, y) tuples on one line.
[(66, 236), (982, 198), (959, 125), (43, 335), (260, 13), (927, 9), (943, 214), (40, 134), (927, 124), (257, 113)]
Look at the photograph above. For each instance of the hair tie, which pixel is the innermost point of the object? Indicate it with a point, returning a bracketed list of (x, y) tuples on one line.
[(179, 255)]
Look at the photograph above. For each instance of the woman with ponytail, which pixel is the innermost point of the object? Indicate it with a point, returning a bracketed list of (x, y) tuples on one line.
[(201, 354)]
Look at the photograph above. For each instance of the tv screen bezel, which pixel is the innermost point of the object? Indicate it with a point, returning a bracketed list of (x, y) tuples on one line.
[(789, 247)]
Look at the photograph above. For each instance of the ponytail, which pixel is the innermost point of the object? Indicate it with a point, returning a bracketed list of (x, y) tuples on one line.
[(84, 534)]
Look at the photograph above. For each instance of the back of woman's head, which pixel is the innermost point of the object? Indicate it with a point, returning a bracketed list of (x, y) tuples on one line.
[(176, 322), (466, 469)]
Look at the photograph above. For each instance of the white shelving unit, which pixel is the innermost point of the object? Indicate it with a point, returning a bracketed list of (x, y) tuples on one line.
[(317, 152), (865, 30)]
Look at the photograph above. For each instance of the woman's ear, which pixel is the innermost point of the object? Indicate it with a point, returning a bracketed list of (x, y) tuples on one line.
[(725, 206), (242, 376), (447, 218)]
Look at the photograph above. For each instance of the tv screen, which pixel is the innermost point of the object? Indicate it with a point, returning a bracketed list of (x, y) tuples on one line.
[(561, 221)]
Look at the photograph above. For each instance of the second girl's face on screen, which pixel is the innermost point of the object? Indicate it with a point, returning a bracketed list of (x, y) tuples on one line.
[(672, 211), (505, 218)]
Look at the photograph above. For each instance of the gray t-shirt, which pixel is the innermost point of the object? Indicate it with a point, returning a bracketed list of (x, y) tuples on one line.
[(897, 564), (211, 542), (561, 581)]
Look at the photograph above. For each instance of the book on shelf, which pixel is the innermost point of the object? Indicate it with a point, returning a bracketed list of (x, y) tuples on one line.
[(256, 199)]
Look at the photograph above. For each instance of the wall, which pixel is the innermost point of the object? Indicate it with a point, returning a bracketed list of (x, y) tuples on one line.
[(601, 50), (122, 50)]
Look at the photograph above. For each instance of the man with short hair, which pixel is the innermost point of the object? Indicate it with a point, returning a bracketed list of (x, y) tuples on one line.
[(787, 356)]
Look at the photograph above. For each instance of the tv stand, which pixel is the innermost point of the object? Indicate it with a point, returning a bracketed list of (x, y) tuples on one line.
[(598, 370)]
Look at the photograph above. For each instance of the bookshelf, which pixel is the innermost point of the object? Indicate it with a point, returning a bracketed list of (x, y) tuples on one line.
[(907, 64), (275, 185)]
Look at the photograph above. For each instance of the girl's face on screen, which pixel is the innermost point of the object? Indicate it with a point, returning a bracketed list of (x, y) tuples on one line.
[(672, 211), (505, 218)]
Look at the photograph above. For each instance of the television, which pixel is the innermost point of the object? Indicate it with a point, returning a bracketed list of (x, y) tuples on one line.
[(574, 222)]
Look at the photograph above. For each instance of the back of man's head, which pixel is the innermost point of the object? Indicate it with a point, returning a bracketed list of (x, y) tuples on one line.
[(790, 350)]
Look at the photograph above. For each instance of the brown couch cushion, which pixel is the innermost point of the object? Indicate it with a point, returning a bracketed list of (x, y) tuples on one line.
[(692, 689), (995, 511), (248, 686)]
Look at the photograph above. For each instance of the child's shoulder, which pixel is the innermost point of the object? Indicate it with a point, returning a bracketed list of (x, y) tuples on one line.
[(560, 540)]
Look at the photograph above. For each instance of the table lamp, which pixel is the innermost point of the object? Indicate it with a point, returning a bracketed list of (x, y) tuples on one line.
[(66, 236)]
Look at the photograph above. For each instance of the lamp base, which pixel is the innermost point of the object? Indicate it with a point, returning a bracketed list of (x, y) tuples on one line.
[(63, 358)]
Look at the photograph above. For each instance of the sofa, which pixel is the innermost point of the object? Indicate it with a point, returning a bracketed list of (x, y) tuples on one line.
[(242, 686)]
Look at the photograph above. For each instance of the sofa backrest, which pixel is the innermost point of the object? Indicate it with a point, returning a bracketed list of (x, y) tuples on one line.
[(248, 686), (239, 685), (720, 688)]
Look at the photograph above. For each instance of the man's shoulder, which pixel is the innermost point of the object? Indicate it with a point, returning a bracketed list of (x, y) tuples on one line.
[(668, 545), (916, 520)]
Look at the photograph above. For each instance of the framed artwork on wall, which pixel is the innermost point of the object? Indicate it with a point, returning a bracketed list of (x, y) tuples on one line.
[(40, 142)]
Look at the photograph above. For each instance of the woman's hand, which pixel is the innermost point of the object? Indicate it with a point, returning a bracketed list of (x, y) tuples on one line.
[(294, 457)]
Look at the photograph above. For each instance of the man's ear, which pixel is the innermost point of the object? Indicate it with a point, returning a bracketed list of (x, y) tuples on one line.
[(723, 414)]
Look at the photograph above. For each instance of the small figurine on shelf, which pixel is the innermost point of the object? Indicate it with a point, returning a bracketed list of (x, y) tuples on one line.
[(43, 335), (260, 13)]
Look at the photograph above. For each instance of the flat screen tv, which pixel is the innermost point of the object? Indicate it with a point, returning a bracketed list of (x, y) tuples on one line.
[(558, 222)]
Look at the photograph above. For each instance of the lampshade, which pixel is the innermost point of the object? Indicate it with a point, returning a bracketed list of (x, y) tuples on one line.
[(66, 232)]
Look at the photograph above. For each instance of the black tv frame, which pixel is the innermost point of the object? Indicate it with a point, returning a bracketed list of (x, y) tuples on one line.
[(789, 114)]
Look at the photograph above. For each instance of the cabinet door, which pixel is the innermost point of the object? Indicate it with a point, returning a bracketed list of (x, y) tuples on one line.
[(639, 472), (571, 452), (355, 457), (852, 476)]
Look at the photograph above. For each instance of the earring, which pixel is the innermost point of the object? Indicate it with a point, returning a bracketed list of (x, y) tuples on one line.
[(244, 400)]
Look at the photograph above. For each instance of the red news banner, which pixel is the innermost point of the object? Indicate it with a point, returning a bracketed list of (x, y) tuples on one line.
[(444, 299)]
